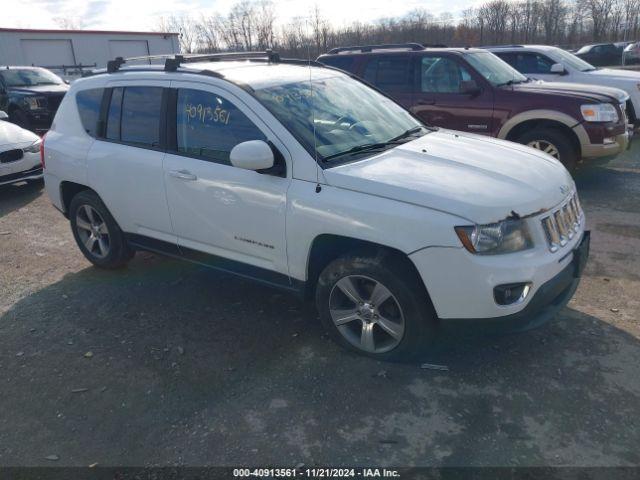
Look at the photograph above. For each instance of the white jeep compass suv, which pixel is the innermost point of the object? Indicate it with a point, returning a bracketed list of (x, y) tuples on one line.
[(304, 178)]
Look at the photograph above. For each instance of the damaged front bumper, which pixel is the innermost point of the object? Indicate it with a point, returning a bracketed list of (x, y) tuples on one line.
[(548, 300)]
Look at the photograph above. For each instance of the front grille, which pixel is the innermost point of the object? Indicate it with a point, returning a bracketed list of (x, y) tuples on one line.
[(625, 115), (562, 224), (11, 156)]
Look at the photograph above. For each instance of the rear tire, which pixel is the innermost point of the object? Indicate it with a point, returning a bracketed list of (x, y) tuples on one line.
[(375, 305), (553, 142), (97, 233)]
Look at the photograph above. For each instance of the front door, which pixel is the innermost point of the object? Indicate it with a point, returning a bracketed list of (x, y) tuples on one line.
[(224, 216), (439, 99)]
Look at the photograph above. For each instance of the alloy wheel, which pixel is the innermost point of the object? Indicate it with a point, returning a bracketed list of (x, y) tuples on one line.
[(92, 231), (366, 314), (546, 147)]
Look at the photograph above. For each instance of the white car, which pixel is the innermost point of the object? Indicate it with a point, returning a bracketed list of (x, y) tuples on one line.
[(19, 153), (543, 62), (305, 178)]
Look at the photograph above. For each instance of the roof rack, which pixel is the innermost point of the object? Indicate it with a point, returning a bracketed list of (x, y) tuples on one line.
[(369, 48), (502, 46), (173, 61)]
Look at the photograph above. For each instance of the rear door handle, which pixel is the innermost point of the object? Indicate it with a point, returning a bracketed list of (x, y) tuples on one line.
[(183, 175), (427, 102)]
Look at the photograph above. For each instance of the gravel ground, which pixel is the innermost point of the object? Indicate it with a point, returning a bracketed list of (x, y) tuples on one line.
[(165, 363)]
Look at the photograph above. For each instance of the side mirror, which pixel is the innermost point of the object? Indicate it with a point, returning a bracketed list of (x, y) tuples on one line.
[(252, 155), (469, 87), (558, 69), (3, 115)]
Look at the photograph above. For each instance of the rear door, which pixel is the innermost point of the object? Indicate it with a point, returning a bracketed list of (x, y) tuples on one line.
[(125, 166), (438, 99), (393, 74)]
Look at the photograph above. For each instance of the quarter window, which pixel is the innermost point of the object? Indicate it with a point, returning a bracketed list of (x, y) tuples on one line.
[(209, 126), (442, 75), (343, 63), (89, 102)]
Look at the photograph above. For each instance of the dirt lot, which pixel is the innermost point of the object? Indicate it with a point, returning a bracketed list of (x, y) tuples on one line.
[(166, 363)]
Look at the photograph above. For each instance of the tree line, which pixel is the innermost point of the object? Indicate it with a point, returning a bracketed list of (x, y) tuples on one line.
[(253, 25)]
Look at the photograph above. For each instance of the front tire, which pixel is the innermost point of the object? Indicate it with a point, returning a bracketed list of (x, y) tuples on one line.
[(554, 143), (96, 232), (376, 306)]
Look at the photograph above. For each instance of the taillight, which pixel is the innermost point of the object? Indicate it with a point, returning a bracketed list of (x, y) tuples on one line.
[(42, 151)]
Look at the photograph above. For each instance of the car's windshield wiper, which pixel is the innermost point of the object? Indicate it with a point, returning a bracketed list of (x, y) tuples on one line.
[(509, 82), (362, 148), (408, 133), (376, 146)]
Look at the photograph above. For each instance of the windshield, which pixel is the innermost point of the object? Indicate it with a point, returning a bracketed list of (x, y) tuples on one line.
[(493, 69), (570, 60), (28, 77), (345, 113)]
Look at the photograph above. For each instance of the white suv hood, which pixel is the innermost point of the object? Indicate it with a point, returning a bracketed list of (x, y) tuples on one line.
[(616, 74), (478, 178)]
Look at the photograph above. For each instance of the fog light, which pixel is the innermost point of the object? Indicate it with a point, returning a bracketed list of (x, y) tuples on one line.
[(511, 293), (609, 140)]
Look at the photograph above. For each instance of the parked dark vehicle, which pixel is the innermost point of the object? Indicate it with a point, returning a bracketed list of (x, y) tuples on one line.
[(632, 54), (31, 96), (601, 54), (473, 90)]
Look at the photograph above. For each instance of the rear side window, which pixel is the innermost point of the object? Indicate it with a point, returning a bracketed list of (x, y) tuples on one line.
[(89, 102), (390, 74), (209, 126), (343, 63), (134, 116)]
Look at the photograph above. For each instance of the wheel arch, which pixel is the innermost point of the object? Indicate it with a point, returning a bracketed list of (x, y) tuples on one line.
[(327, 247), (527, 124), (68, 190)]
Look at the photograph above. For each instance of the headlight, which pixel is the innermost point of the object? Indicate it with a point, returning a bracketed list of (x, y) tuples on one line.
[(503, 237), (601, 112), (34, 103), (33, 148)]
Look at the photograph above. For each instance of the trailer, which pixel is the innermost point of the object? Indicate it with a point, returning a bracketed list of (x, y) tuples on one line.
[(73, 53)]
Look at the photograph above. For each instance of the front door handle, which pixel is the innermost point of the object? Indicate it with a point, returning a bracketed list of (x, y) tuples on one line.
[(431, 101), (183, 175)]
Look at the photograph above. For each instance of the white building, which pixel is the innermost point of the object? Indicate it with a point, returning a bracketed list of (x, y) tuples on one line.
[(64, 50)]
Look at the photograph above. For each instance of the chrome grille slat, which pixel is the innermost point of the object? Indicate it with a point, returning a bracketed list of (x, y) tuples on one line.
[(563, 223)]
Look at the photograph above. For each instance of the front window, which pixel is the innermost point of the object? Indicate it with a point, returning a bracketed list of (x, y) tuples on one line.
[(442, 75), (495, 71), (343, 112), (571, 61), (29, 77), (209, 126)]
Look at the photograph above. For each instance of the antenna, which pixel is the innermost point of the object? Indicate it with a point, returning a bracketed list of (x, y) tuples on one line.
[(313, 114)]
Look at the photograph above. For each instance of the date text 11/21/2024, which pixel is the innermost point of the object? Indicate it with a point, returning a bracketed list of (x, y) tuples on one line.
[(316, 472)]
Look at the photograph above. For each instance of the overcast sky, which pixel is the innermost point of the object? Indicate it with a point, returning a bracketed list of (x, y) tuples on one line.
[(143, 14)]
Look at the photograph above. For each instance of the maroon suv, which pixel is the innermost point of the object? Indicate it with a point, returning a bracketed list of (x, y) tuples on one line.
[(473, 90)]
